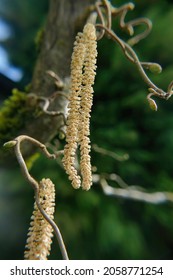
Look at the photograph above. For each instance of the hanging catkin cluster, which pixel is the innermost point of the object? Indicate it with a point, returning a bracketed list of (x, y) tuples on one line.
[(40, 233), (83, 66)]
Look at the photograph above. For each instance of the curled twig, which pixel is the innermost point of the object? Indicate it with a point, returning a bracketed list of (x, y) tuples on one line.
[(131, 55), (102, 20), (44, 102), (129, 26), (17, 148), (107, 5), (170, 88), (105, 12), (142, 21), (151, 102), (39, 237), (58, 82)]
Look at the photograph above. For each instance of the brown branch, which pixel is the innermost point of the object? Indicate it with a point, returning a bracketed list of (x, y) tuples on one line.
[(106, 27), (16, 143)]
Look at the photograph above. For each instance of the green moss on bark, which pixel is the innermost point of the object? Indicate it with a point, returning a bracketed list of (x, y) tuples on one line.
[(13, 115)]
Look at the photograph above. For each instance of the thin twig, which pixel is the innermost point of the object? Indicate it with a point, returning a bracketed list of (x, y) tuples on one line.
[(59, 83), (126, 48), (101, 17), (108, 12), (109, 153), (54, 226), (105, 9), (46, 104), (142, 21), (131, 193), (17, 148)]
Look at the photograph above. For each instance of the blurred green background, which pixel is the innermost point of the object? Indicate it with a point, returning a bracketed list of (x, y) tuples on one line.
[(95, 226)]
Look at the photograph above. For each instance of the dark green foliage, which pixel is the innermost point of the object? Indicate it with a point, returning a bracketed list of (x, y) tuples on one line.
[(95, 226)]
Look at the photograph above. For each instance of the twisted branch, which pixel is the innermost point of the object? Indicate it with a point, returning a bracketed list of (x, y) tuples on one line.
[(16, 143), (105, 13)]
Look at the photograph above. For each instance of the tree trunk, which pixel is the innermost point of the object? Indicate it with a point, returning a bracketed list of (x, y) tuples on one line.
[(64, 21), (65, 18)]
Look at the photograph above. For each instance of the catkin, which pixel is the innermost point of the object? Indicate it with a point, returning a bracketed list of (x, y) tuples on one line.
[(40, 234), (89, 37), (83, 66), (73, 114)]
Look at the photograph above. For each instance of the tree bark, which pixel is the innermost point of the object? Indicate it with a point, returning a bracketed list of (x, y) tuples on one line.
[(65, 19), (63, 22)]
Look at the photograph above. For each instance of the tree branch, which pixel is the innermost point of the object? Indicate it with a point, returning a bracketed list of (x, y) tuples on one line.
[(131, 192), (16, 143)]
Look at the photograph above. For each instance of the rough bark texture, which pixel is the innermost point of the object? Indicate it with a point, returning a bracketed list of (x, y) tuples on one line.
[(65, 19), (62, 25)]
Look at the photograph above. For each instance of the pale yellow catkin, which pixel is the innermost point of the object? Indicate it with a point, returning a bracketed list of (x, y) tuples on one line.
[(89, 72), (40, 233), (73, 114), (83, 66)]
